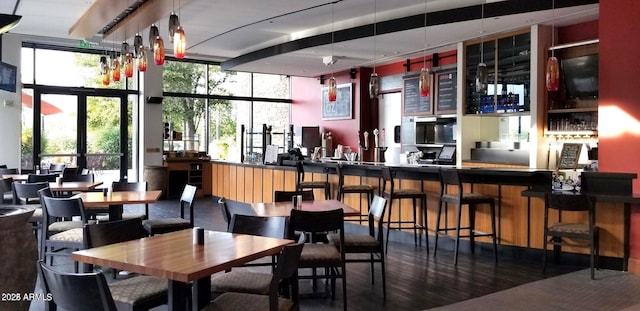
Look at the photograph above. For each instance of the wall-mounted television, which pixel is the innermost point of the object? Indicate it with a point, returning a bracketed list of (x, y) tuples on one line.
[(8, 77), (580, 75)]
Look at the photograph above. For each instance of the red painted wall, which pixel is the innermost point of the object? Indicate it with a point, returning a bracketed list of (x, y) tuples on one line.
[(619, 97), (306, 108), (578, 32)]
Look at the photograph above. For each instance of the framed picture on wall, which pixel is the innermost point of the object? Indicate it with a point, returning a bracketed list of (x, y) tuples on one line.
[(340, 109)]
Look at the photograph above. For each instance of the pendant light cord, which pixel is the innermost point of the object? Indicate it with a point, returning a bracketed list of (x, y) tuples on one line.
[(332, 31), (553, 26), (482, 33), (424, 57), (375, 10)]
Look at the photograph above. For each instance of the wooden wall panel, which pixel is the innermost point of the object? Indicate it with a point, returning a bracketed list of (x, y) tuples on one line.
[(233, 182), (226, 180), (241, 186), (257, 185)]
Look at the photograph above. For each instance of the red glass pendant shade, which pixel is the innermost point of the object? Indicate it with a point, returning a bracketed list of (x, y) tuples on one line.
[(333, 89), (106, 74), (425, 82), (115, 69), (179, 43), (142, 60), (128, 65), (158, 51), (553, 74)]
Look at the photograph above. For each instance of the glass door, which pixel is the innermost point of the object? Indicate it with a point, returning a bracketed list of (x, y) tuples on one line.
[(84, 131)]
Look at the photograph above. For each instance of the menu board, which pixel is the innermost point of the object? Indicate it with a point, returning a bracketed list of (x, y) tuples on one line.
[(569, 156), (446, 92), (412, 102)]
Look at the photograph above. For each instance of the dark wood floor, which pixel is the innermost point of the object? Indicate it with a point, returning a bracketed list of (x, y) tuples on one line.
[(415, 280)]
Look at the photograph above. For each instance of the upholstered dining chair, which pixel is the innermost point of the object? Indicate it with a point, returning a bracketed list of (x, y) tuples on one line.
[(372, 243), (27, 193), (140, 292), (286, 196), (164, 225), (283, 277)]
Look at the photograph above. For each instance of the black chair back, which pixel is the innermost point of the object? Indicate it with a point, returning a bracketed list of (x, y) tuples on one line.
[(288, 261), (42, 177), (376, 216), (275, 227), (63, 207), (76, 177), (8, 171), (77, 291), (387, 178), (226, 213), (27, 191), (6, 185), (286, 196), (312, 222), (129, 186), (111, 232), (3, 166), (57, 168)]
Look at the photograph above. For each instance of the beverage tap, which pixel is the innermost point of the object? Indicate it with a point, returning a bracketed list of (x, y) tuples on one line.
[(375, 137)]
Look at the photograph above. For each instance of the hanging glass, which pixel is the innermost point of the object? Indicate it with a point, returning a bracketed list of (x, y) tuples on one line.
[(158, 52), (128, 65), (553, 74), (482, 77), (425, 82), (179, 43), (333, 89), (374, 86), (115, 69), (106, 73), (174, 22), (142, 59), (154, 33), (137, 43)]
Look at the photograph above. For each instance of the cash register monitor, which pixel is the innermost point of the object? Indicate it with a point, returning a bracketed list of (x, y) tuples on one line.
[(447, 154)]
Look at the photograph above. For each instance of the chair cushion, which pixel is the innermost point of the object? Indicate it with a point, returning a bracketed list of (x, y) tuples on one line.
[(37, 215), (355, 243), (313, 184), (320, 255), (139, 289), (60, 226), (570, 228), (242, 282), (73, 235), (246, 302), (407, 192), (124, 216), (362, 188)]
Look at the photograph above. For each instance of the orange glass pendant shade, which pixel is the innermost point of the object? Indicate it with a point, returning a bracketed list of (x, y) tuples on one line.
[(106, 74), (142, 60), (128, 65), (115, 70), (553, 74), (179, 43), (158, 51), (425, 82), (333, 89)]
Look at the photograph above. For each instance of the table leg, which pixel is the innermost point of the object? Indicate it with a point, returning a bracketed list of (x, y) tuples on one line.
[(178, 295), (201, 293), (115, 212), (627, 229)]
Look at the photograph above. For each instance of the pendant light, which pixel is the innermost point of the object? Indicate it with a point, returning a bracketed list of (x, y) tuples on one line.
[(174, 23), (154, 33), (179, 43), (105, 72), (332, 85), (374, 83), (137, 44), (127, 59), (482, 74), (553, 69), (115, 67), (142, 59), (425, 79), (158, 51)]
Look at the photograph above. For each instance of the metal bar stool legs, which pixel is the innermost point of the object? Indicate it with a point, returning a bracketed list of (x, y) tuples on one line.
[(417, 236)]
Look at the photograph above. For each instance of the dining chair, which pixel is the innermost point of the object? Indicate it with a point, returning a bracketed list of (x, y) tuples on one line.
[(287, 196), (6, 190), (358, 189), (241, 280), (321, 255), (372, 243), (284, 276), (8, 171), (76, 291), (225, 211), (54, 243), (573, 233), (132, 186), (42, 177), (164, 225), (77, 177), (140, 292), (27, 193)]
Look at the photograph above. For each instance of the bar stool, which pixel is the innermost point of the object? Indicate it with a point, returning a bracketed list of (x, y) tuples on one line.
[(301, 184), (398, 194), (359, 189), (451, 177)]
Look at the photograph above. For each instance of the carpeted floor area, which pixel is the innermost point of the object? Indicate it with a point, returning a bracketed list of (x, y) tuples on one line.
[(612, 290)]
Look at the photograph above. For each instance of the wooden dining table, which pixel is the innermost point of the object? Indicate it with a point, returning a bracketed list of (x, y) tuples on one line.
[(66, 186), (175, 257), (116, 199), (284, 208), (16, 177)]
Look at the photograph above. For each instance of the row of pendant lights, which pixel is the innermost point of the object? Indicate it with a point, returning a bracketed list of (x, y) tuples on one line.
[(112, 69)]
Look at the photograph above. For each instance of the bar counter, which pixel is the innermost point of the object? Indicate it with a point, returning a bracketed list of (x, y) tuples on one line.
[(519, 217)]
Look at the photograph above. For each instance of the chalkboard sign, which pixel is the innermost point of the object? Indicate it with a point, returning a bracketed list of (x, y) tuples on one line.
[(446, 92), (412, 102), (569, 156), (339, 109)]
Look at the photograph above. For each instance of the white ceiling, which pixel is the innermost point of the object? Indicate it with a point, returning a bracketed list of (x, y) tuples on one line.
[(226, 29)]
